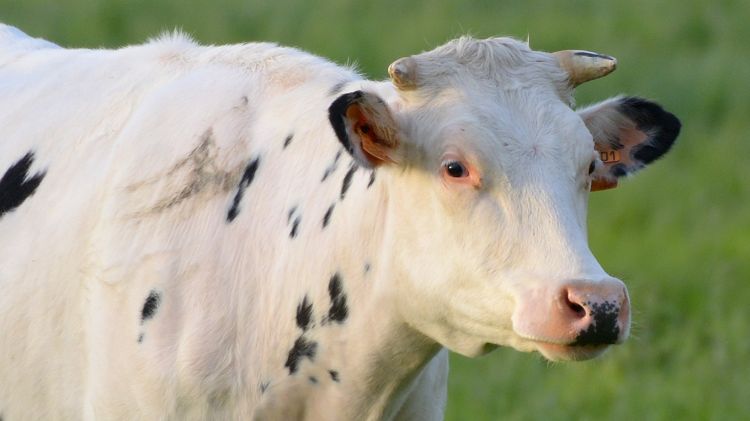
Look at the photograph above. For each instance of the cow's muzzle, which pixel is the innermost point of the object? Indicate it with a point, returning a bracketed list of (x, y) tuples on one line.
[(577, 321)]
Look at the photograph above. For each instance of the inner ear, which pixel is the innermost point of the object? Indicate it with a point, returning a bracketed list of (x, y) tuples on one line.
[(375, 141), (365, 126), (629, 133)]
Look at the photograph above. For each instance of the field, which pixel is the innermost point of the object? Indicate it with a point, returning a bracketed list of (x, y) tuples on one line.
[(678, 234)]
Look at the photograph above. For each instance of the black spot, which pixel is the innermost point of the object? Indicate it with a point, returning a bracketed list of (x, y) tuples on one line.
[(263, 387), (15, 187), (290, 214), (590, 54), (247, 179), (313, 380), (327, 216), (348, 179), (288, 140), (302, 348), (367, 267), (337, 88), (295, 227), (334, 375), (331, 168), (604, 330), (140, 340), (150, 306), (304, 314), (337, 117), (372, 179), (662, 126), (338, 311)]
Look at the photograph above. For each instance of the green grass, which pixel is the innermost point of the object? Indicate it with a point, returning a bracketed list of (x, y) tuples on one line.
[(678, 234)]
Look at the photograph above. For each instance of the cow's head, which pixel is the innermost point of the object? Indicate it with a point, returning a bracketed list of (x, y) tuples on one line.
[(488, 169)]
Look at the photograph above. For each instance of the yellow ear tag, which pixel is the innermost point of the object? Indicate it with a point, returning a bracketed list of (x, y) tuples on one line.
[(610, 157)]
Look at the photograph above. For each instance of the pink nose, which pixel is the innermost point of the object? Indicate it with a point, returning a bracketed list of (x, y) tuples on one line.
[(598, 313)]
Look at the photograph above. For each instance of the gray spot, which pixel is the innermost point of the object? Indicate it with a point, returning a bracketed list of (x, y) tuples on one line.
[(337, 88), (203, 177), (348, 179), (17, 185), (302, 348), (339, 310), (151, 305), (332, 168), (247, 178), (304, 314), (295, 227), (327, 216)]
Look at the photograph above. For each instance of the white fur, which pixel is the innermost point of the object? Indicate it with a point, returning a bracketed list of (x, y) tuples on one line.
[(143, 149)]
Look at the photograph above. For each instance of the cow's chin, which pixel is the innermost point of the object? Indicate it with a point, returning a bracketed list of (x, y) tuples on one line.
[(561, 352), (550, 351)]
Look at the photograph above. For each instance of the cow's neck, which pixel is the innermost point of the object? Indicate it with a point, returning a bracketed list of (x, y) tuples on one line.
[(383, 354)]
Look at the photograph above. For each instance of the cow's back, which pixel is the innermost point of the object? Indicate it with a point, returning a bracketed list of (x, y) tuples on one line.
[(140, 154)]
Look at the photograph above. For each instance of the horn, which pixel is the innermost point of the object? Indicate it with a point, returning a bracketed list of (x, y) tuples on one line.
[(403, 73), (583, 66)]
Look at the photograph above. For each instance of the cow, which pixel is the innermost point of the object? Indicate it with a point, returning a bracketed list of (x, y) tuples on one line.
[(250, 231)]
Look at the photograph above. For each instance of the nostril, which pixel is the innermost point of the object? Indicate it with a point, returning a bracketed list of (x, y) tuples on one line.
[(577, 309)]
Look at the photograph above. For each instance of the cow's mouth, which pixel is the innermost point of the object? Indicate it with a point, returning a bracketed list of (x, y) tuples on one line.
[(569, 352)]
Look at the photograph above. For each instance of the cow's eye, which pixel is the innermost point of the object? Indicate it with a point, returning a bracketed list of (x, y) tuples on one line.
[(455, 169), (592, 167)]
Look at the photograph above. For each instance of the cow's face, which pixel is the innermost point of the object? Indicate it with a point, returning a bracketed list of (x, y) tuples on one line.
[(488, 170)]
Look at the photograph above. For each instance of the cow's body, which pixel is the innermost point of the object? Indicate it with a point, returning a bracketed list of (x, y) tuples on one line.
[(136, 195), (191, 241)]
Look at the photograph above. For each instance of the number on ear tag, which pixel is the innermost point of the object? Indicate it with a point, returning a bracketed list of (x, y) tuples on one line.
[(609, 157)]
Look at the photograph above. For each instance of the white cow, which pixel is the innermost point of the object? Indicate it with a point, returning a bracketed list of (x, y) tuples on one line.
[(242, 231)]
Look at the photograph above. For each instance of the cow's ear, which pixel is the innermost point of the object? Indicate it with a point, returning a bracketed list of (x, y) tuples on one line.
[(366, 128), (629, 133)]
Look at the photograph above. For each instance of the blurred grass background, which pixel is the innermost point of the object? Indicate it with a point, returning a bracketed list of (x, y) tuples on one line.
[(678, 234)]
